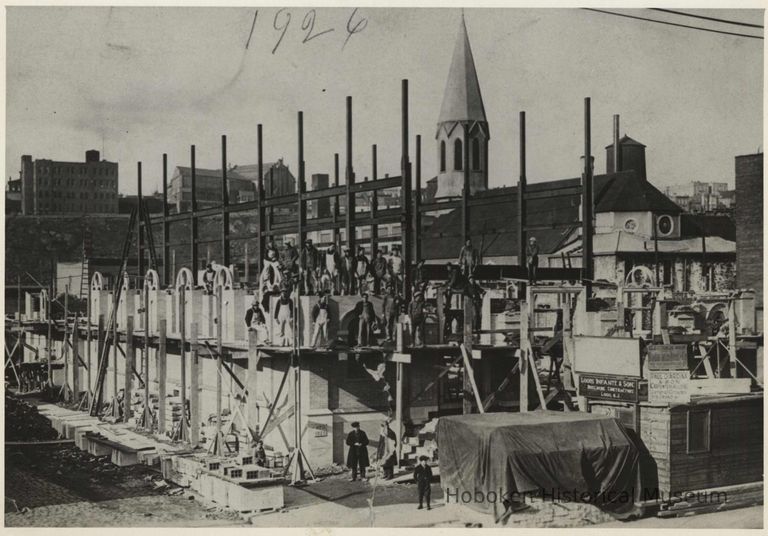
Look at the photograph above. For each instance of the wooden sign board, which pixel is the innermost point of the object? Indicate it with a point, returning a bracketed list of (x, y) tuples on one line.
[(608, 387), (399, 357), (668, 357), (668, 386), (609, 356)]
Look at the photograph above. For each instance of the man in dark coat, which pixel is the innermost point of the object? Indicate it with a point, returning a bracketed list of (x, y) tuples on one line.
[(357, 458), (365, 321), (422, 474)]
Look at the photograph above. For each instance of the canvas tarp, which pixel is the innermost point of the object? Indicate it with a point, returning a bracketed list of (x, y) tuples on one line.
[(557, 456)]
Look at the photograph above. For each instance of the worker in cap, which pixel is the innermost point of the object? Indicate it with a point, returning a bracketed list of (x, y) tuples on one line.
[(357, 458), (422, 474), (532, 254)]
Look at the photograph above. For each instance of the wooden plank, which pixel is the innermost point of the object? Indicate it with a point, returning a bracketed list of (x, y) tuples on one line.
[(162, 371), (194, 395), (130, 357)]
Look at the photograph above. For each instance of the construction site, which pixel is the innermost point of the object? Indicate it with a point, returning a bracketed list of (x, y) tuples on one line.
[(235, 353)]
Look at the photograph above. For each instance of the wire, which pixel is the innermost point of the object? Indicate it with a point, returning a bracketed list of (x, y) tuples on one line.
[(671, 23), (706, 18)]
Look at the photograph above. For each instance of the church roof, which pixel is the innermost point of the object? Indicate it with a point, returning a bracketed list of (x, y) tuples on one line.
[(462, 100)]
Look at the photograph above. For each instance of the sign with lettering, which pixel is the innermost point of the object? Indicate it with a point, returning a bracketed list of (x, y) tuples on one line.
[(608, 387), (668, 357), (668, 386)]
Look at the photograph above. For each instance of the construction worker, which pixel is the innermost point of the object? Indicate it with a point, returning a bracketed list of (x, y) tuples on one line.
[(418, 318), (289, 256), (256, 321), (357, 458), (320, 317), (422, 474), (284, 316), (309, 263), (396, 267), (365, 321), (380, 268), (476, 293), (332, 263), (258, 453), (420, 281), (386, 453), (347, 273), (362, 270), (469, 258), (390, 310), (271, 273), (532, 253), (208, 277)]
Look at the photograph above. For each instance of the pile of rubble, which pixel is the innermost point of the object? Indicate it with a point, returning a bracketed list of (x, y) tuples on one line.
[(24, 423)]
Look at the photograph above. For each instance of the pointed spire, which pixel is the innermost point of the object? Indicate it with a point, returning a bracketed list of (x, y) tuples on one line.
[(462, 100)]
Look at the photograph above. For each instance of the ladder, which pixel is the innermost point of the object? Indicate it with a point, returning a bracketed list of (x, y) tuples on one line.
[(149, 236), (84, 273), (104, 357)]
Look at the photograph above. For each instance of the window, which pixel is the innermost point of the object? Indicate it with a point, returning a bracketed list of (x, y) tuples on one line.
[(668, 267), (698, 430), (458, 157), (476, 155), (442, 155)]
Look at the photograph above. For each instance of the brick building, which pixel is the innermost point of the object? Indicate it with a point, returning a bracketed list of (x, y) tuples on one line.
[(749, 224), (54, 187)]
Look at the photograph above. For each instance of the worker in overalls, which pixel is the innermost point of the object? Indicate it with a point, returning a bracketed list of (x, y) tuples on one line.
[(418, 317), (271, 273), (332, 262), (532, 254), (347, 273), (257, 322), (309, 261), (396, 267), (365, 322), (362, 270), (284, 316), (320, 318)]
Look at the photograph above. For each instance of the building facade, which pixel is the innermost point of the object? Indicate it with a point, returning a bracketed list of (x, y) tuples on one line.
[(54, 187)]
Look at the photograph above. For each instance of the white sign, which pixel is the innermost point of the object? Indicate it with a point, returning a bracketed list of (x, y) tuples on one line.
[(617, 356), (668, 386)]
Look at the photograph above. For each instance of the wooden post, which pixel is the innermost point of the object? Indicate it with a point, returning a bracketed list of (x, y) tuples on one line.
[(130, 358), (374, 203), (732, 338), (183, 361), (49, 340), (465, 218), (89, 390), (224, 204), (587, 201), (75, 361), (467, 388), (194, 395), (193, 219), (139, 225), (162, 370), (417, 205), (145, 360), (405, 201), (336, 212), (101, 337), (399, 410), (115, 342), (524, 349), (219, 368), (261, 235), (64, 350)]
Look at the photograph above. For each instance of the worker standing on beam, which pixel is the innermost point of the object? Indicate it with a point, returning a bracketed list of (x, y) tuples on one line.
[(380, 272), (347, 273), (309, 262), (468, 258), (396, 267), (332, 262), (533, 259), (362, 269)]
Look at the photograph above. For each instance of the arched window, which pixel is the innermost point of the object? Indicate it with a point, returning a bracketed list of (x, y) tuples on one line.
[(476, 155), (442, 155), (458, 157)]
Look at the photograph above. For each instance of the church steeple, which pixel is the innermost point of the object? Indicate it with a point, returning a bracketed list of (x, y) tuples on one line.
[(462, 121), (462, 100)]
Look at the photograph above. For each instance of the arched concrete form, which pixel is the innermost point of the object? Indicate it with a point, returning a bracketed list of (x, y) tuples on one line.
[(640, 276), (97, 281), (152, 280), (223, 277), (184, 279), (126, 282), (717, 315)]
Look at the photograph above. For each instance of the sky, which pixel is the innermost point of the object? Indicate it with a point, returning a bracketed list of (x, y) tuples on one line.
[(139, 82)]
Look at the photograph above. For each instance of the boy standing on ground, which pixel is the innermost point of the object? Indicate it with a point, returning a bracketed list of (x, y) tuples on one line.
[(423, 477)]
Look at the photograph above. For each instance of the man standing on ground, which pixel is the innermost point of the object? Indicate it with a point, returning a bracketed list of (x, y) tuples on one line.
[(357, 458), (423, 477)]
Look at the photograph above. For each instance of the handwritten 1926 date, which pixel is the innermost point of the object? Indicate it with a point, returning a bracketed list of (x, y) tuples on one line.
[(310, 26)]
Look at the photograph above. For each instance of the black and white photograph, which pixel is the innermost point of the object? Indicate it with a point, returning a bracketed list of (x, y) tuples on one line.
[(422, 266)]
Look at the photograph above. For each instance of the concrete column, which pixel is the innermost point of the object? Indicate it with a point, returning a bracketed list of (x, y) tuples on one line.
[(161, 376), (130, 358)]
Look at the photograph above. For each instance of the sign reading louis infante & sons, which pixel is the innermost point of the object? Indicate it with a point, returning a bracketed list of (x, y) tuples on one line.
[(608, 387)]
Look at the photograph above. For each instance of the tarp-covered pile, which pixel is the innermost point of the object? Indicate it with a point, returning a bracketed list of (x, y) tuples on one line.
[(564, 457)]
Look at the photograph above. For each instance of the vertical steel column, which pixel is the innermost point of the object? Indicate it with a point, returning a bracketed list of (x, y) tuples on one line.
[(145, 360), (88, 351), (64, 351), (405, 200), (587, 201), (374, 203), (261, 236), (350, 176), (130, 358), (167, 274), (183, 361), (521, 204), (302, 187), (219, 367), (465, 221), (336, 212), (140, 227), (417, 204), (225, 203), (192, 217), (194, 387)]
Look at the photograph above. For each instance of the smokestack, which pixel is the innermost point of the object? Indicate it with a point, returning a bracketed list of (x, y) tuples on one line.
[(616, 145)]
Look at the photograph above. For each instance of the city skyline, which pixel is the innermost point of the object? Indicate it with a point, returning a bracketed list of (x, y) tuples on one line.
[(137, 92)]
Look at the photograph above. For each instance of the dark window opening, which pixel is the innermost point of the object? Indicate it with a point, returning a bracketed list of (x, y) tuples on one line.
[(698, 431), (442, 156), (458, 157), (476, 155)]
